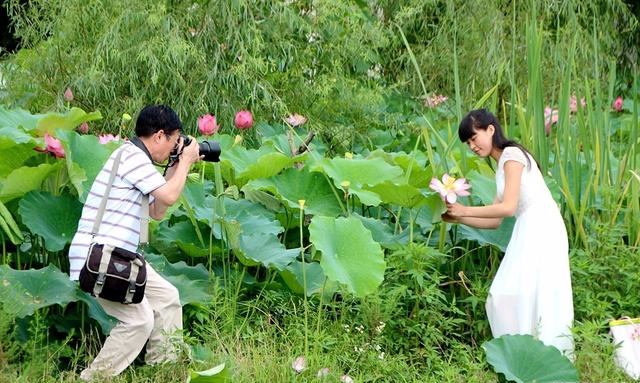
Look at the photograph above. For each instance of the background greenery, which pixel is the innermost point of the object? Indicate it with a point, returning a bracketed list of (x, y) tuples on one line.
[(361, 72)]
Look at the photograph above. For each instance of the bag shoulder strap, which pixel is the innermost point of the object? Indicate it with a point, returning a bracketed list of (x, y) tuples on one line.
[(105, 196)]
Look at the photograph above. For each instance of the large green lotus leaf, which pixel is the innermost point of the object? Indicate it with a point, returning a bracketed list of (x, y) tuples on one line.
[(499, 237), (404, 195), (524, 359), (13, 157), (253, 218), (383, 233), (50, 122), (293, 277), (96, 311), (201, 201), (265, 249), (428, 214), (263, 198), (14, 118), (349, 254), (419, 176), (163, 266), (25, 291), (293, 185), (86, 152), (54, 218), (183, 235), (482, 186), (26, 178), (217, 374), (10, 135), (257, 163), (359, 173), (192, 282)]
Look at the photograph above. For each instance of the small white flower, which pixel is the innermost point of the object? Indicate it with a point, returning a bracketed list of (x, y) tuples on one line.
[(380, 327), (323, 372), (360, 328), (346, 379), (313, 37), (381, 356), (358, 349), (299, 364)]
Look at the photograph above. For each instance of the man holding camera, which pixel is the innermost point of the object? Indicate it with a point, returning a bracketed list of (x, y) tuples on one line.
[(158, 317)]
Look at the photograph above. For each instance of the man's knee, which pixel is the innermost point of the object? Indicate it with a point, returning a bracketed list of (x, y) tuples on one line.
[(144, 324)]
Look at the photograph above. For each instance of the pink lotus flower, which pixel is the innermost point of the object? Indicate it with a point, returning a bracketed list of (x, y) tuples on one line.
[(450, 188), (550, 118), (53, 146), (299, 364), (296, 119), (617, 104), (243, 120), (83, 128), (108, 138), (207, 124), (573, 103), (68, 95)]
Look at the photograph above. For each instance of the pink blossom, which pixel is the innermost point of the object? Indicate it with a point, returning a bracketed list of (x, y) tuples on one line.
[(346, 379), (108, 138), (207, 124), (296, 119), (68, 95), (617, 104), (53, 146), (83, 128), (243, 120), (550, 118), (573, 103), (434, 100), (450, 188), (299, 364)]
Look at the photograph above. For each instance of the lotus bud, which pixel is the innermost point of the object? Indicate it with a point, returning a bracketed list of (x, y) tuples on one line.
[(83, 128), (207, 124), (68, 95), (243, 120)]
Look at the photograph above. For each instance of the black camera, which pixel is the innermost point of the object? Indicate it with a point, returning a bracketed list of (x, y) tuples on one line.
[(209, 149)]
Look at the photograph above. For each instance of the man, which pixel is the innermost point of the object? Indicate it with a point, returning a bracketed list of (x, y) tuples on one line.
[(159, 316)]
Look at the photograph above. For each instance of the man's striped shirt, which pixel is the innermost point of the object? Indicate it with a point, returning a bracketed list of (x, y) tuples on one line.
[(121, 220)]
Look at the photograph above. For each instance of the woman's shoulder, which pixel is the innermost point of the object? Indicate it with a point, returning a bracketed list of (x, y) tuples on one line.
[(514, 153)]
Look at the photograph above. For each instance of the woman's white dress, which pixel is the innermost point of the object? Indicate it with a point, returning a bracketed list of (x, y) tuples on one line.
[(531, 293)]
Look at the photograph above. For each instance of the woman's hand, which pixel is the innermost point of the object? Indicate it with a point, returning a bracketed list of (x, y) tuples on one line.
[(449, 219), (456, 210)]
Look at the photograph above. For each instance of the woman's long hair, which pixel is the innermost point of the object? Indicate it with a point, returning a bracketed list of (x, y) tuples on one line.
[(480, 119)]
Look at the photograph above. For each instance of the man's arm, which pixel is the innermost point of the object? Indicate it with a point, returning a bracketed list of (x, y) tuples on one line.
[(176, 177)]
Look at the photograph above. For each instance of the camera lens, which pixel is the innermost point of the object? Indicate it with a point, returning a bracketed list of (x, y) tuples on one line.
[(211, 150)]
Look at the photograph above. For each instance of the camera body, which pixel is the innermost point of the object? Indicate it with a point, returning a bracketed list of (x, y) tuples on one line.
[(209, 149)]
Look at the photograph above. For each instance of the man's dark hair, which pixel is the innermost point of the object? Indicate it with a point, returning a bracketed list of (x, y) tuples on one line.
[(153, 118)]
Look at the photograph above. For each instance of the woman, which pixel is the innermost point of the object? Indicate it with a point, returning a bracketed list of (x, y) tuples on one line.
[(531, 293)]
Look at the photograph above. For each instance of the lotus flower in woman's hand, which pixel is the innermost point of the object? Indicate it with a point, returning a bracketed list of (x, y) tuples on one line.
[(450, 188)]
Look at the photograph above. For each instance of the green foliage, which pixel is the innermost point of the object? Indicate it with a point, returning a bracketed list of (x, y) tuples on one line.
[(60, 222), (349, 254), (217, 374), (522, 358)]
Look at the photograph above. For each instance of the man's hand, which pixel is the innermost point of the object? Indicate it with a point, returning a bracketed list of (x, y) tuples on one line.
[(191, 152)]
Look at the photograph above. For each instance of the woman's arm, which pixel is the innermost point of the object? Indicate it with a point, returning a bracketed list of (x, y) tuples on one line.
[(478, 223), (505, 208)]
